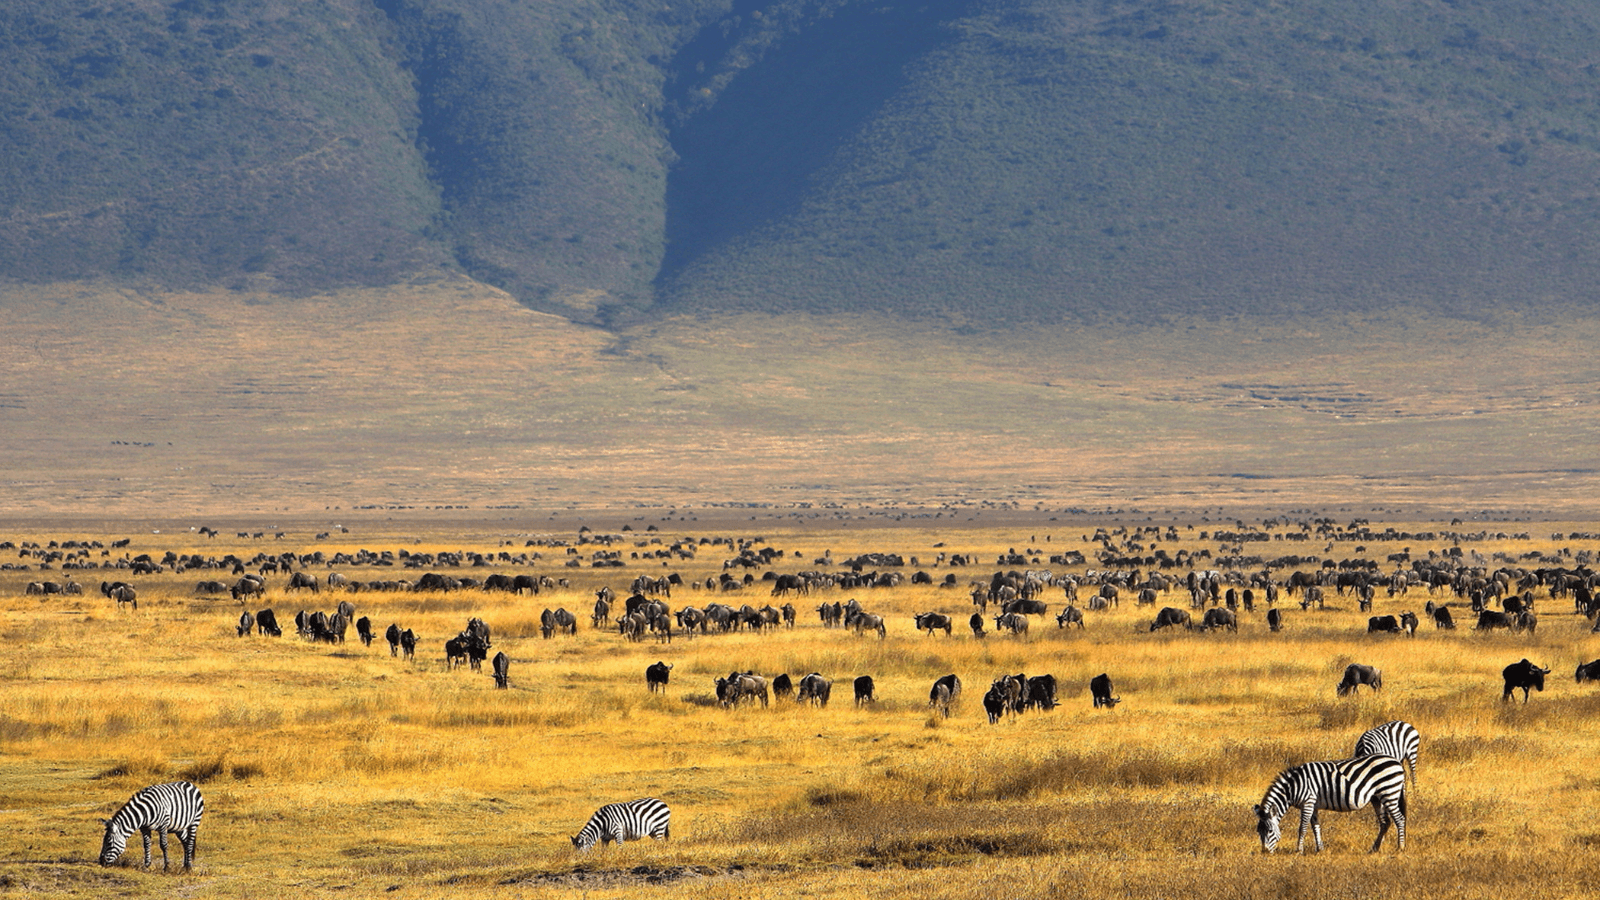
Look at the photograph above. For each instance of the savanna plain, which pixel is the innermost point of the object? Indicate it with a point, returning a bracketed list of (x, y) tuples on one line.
[(343, 770)]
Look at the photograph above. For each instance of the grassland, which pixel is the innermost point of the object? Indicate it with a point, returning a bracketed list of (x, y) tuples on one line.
[(339, 770)]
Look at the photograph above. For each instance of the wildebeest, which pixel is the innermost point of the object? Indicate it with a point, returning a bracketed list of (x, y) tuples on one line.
[(1023, 606), (815, 689), (364, 631), (393, 637), (1525, 621), (932, 621), (1490, 619), (782, 686), (1589, 671), (302, 581), (1170, 616), (120, 591), (246, 623), (1523, 675), (1100, 688), (246, 586), (502, 670), (552, 621), (1274, 619), (1386, 624), (1220, 617), (741, 686), (944, 693), (1442, 617), (267, 623), (1040, 692), (868, 622), (1016, 623), (408, 644), (866, 691), (1071, 615), (656, 676), (455, 652), (1408, 623), (976, 623), (1356, 675), (995, 703)]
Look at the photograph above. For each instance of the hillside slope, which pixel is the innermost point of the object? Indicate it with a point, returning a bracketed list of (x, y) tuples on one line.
[(980, 162)]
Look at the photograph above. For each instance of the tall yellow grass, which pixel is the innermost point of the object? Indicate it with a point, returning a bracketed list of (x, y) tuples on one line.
[(341, 769)]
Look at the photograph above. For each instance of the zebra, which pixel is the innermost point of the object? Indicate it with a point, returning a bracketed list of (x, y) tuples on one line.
[(162, 808), (1397, 739), (622, 822), (1342, 786)]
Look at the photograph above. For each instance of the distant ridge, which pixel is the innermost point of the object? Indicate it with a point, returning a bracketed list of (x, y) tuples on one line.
[(973, 163)]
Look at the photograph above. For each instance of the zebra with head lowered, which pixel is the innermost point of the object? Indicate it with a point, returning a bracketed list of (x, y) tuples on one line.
[(1341, 786), (623, 822), (1397, 739), (162, 808)]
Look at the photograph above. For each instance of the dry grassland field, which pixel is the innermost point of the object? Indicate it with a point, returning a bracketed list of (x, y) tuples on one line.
[(341, 770)]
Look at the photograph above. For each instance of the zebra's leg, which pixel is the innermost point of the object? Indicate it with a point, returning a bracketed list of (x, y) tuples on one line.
[(1308, 815), (144, 832), (189, 842), (162, 836), (1316, 829), (1385, 813)]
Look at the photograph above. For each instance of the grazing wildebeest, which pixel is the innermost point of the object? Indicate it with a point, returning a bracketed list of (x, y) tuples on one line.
[(408, 644), (944, 692), (866, 691), (502, 670), (782, 686), (1025, 607), (932, 621), (741, 686), (1386, 624), (815, 689), (246, 623), (1274, 619), (1408, 623), (1356, 675), (656, 676), (1490, 619), (1100, 688), (1016, 623), (267, 623), (393, 637), (1170, 616), (364, 631), (1069, 616), (1523, 675), (1442, 618), (1220, 617), (346, 609), (976, 623), (1525, 621), (302, 581), (1589, 671), (246, 586), (120, 591), (1040, 692)]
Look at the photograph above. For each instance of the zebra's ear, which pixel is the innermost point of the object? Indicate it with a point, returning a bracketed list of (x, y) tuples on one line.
[(1257, 809), (104, 822)]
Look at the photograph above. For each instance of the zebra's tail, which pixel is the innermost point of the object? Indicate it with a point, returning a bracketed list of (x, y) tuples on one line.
[(1403, 810)]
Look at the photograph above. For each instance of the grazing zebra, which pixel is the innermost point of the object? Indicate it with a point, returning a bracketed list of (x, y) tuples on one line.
[(162, 808), (1397, 739), (1342, 786), (622, 822)]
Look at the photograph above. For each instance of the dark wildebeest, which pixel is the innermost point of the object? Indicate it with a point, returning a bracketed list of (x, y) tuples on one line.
[(995, 703), (1220, 617), (815, 689), (866, 691), (656, 676), (1589, 671), (782, 686), (1170, 616), (502, 670), (346, 609), (1069, 616), (1025, 607), (1442, 617), (267, 623), (1100, 688), (1040, 692), (455, 652), (1408, 623), (302, 581), (337, 624), (976, 622), (393, 637), (364, 630), (1387, 624), (408, 644), (246, 586), (246, 623), (602, 613), (1356, 675), (944, 692), (1523, 675), (1274, 619), (1490, 619), (933, 621)]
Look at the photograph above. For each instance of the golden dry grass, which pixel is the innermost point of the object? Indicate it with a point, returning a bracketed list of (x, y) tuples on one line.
[(341, 770)]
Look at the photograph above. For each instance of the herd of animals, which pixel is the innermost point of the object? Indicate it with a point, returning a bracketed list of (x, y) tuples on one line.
[(1217, 595)]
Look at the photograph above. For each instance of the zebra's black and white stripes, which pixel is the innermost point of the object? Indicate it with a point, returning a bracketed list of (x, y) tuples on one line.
[(1341, 786), (1397, 739), (161, 808), (623, 822)]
